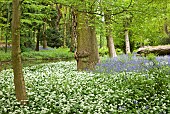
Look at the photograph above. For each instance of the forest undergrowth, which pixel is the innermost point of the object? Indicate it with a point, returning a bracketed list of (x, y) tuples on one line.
[(59, 53), (126, 85)]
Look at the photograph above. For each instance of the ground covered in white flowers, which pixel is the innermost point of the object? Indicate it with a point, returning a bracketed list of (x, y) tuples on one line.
[(57, 88)]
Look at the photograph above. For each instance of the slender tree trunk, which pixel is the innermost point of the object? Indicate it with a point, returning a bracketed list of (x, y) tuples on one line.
[(166, 12), (101, 41), (65, 26), (44, 36), (73, 32), (6, 42), (101, 37), (111, 47), (126, 33), (87, 50), (31, 36), (1, 33), (59, 15), (38, 40), (109, 38), (166, 30), (127, 41), (8, 19), (19, 82)]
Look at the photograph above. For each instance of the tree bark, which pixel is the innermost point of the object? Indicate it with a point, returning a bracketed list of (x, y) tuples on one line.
[(158, 50), (59, 15), (127, 43), (166, 30), (73, 31), (65, 26), (19, 82), (109, 38), (101, 41), (111, 47), (87, 55), (101, 37), (44, 35), (38, 40), (1, 33), (8, 20)]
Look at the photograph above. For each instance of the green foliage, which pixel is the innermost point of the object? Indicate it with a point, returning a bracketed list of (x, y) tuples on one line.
[(54, 38), (5, 56), (66, 91), (34, 15), (151, 56), (103, 51), (145, 19), (26, 43), (59, 53), (119, 51)]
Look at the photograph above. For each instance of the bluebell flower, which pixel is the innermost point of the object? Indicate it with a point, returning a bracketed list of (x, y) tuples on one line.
[(147, 107), (135, 102), (131, 64)]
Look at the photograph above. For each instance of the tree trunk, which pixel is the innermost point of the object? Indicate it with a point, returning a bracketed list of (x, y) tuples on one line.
[(44, 36), (127, 42), (111, 47), (19, 82), (101, 37), (38, 40), (109, 38), (7, 30), (1, 34), (59, 15), (166, 30), (101, 41), (65, 26), (73, 31), (87, 55)]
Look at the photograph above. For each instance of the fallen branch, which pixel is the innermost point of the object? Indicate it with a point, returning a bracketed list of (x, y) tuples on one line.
[(159, 50)]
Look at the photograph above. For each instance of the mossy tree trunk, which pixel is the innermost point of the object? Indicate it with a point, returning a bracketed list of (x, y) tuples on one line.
[(109, 38), (87, 50), (19, 82)]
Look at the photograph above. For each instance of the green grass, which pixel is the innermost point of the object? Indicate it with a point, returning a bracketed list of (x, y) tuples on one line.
[(59, 89), (60, 53), (5, 56), (48, 54)]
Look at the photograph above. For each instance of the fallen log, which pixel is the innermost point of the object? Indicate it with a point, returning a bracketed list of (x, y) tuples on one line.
[(158, 50)]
